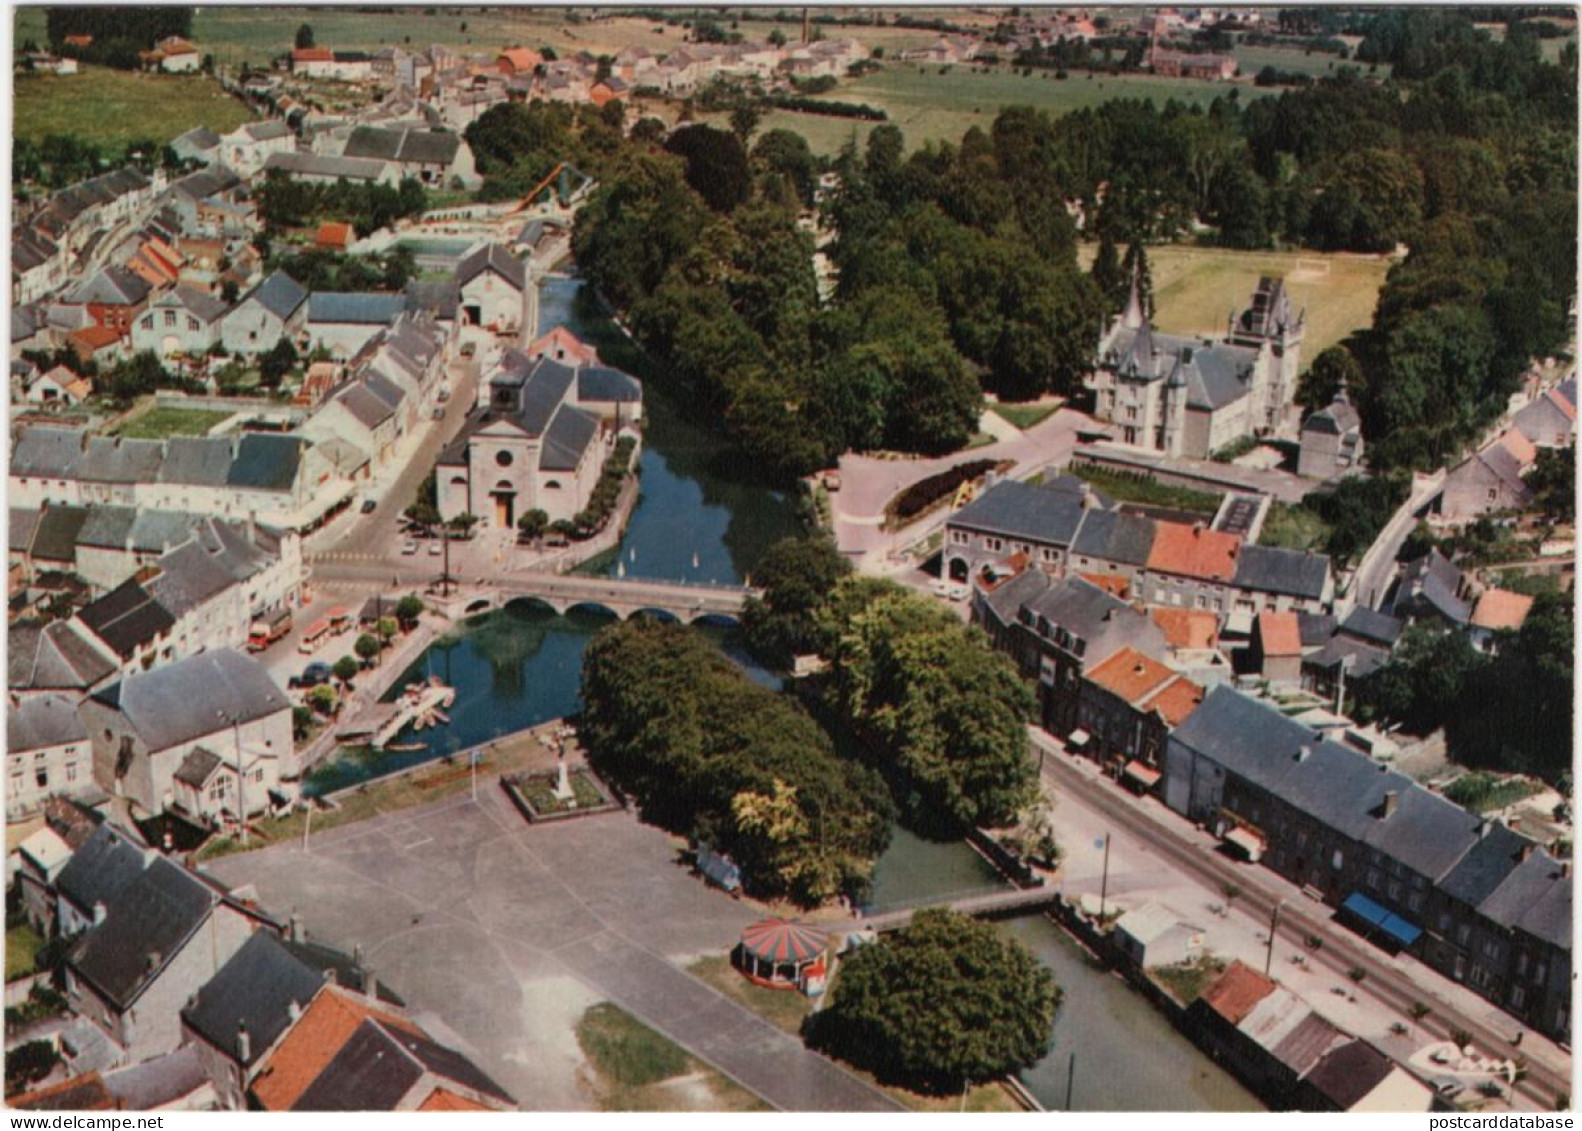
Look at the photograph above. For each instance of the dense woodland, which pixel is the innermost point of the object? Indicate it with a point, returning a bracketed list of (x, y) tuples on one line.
[(958, 267), (118, 33)]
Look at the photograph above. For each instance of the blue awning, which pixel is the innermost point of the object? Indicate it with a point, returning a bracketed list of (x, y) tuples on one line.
[(1389, 922)]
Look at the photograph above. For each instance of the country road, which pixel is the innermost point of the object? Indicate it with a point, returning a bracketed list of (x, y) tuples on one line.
[(1374, 573)]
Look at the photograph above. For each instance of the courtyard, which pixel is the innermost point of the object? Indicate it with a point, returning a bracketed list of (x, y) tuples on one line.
[(501, 934)]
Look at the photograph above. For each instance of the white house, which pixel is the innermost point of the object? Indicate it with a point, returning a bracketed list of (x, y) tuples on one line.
[(176, 55), (183, 320), (47, 752), (344, 323), (1154, 935), (275, 308), (497, 291), (151, 726), (434, 157), (247, 148), (59, 386)]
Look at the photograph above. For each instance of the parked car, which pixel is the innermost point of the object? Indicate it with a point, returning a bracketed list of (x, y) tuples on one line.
[(435, 549), (408, 549), (369, 506), (314, 674)]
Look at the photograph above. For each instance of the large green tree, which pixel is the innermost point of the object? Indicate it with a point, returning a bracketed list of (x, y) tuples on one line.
[(796, 575), (941, 1003)]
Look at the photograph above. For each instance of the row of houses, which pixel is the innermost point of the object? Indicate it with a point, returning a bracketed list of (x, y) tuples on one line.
[(1065, 527), (189, 996)]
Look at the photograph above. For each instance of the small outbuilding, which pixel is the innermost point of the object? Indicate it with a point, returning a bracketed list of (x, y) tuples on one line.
[(1154, 935), (780, 954)]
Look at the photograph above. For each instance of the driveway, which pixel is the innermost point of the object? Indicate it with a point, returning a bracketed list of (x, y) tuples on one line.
[(504, 932)]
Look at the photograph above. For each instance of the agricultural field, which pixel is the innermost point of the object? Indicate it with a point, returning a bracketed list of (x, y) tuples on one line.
[(932, 106), (110, 107), (1317, 63), (1196, 288)]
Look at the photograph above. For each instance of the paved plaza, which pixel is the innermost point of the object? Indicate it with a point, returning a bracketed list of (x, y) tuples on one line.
[(504, 932)]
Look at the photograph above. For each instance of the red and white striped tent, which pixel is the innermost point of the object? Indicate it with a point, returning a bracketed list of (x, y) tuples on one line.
[(779, 952)]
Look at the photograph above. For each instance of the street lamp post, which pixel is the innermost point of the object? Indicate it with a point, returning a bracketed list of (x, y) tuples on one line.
[(1274, 922), (241, 772), (1104, 881)]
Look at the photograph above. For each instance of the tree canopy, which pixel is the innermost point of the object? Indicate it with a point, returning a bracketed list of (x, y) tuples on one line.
[(944, 1001)]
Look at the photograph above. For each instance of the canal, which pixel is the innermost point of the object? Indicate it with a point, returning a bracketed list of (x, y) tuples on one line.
[(1128, 1057), (694, 521)]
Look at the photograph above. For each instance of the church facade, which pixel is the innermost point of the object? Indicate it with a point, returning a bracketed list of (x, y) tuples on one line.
[(1192, 397), (538, 438)]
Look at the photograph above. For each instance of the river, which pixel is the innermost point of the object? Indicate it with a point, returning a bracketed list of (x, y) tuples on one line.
[(521, 666)]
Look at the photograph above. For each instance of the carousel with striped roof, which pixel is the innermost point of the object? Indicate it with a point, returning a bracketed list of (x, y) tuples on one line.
[(783, 955)]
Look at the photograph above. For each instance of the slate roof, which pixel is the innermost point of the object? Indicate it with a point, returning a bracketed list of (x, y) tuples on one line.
[(199, 461), (202, 138), (126, 618), (194, 697), (201, 305), (437, 296), (23, 522), (103, 866), (1485, 865), (206, 183), (326, 1025), (1368, 624), (366, 408), (55, 657), (602, 384), (1432, 581), (492, 257), (197, 767), (355, 309), (112, 459), (378, 1066), (1269, 569), (1103, 622), (266, 461), (318, 165), (567, 438), (1535, 897), (256, 989), (272, 129), (425, 147), (57, 532), (47, 452), (41, 721), (1348, 1072), (279, 294), (1115, 536), (1040, 514), (149, 921), (1316, 628), (1361, 657), (1337, 419)]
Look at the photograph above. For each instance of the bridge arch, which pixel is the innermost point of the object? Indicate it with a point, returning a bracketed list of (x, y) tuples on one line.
[(652, 612), (715, 620), (597, 608), (478, 605), (532, 601)]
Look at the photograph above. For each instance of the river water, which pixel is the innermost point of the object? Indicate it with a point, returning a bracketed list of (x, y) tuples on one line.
[(694, 522)]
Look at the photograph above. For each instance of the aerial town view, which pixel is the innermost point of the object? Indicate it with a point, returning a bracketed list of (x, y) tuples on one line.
[(815, 559)]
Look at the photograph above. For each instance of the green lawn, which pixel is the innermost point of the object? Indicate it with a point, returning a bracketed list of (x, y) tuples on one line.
[(1187, 981), (641, 1070), (1196, 288), (1293, 528), (1254, 59), (164, 421), (1024, 416), (111, 107), (22, 942), (1149, 492), (931, 106)]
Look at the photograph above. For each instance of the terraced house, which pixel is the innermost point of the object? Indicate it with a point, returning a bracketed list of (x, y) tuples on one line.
[(1409, 869)]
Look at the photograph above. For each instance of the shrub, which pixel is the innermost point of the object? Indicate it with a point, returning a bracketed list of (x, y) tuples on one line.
[(925, 492)]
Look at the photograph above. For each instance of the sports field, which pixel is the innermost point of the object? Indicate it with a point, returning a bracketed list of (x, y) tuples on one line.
[(931, 103), (111, 107), (1196, 289)]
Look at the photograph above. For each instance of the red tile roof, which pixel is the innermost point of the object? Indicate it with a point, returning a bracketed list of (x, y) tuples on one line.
[(333, 233), (1558, 399), (1237, 991), (1280, 634), (441, 1099), (1111, 583), (324, 1027), (1176, 701), (1187, 628), (1130, 675), (312, 55), (520, 59), (562, 341), (1519, 446), (1194, 551), (1500, 608)]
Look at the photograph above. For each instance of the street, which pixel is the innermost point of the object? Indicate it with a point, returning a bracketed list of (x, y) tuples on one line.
[(1156, 854), (1371, 582)]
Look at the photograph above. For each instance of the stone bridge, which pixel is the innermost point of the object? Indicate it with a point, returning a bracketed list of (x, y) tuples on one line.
[(686, 602)]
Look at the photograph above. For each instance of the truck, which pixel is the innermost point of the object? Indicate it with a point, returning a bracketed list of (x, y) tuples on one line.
[(267, 630)]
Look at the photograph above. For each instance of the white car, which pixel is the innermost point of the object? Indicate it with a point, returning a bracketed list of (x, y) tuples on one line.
[(435, 549), (408, 549), (959, 591)]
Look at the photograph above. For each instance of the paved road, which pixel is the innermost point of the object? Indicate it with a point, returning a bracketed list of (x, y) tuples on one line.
[(1170, 837), (1372, 579), (481, 920)]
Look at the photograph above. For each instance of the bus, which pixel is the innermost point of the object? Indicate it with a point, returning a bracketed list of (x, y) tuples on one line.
[(316, 632), (266, 631), (340, 619)]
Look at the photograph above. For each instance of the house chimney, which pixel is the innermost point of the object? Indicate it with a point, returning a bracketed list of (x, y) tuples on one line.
[(1392, 800), (293, 1010), (244, 1043), (1526, 852), (295, 931), (1513, 823), (1565, 869), (1302, 752), (99, 913), (370, 984), (1197, 529)]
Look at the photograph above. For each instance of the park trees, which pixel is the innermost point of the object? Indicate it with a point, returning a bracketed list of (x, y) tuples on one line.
[(944, 1001), (943, 712), (711, 755), (1333, 370), (796, 575), (367, 648), (716, 165)]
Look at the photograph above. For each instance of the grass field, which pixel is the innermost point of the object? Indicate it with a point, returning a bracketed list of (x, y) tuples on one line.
[(1196, 288), (930, 106), (113, 107), (1024, 416), (637, 1069), (1138, 488), (1293, 528), (22, 942), (164, 421), (1254, 59)]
